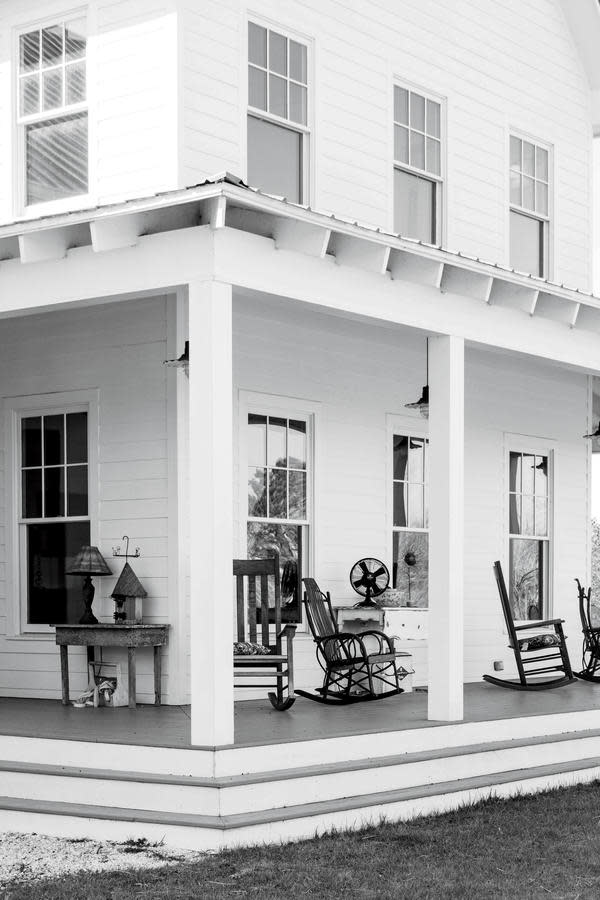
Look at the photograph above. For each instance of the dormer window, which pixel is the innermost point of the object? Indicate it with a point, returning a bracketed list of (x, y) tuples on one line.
[(52, 111)]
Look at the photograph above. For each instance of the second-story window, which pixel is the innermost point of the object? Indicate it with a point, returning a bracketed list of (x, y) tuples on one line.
[(277, 113), (529, 206), (52, 111), (417, 165)]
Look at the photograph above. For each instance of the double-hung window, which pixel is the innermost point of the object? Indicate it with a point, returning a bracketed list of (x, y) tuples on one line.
[(278, 132), (529, 207), (410, 534), (52, 111), (417, 165), (529, 534), (278, 458)]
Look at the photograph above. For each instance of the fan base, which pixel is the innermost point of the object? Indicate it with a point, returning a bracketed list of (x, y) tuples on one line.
[(365, 604)]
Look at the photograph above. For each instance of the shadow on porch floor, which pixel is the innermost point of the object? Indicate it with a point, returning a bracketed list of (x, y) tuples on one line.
[(256, 722)]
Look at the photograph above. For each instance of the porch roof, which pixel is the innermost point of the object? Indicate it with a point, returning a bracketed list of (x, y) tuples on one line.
[(225, 201)]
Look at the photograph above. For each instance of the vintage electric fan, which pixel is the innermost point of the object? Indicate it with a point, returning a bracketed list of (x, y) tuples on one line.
[(369, 578)]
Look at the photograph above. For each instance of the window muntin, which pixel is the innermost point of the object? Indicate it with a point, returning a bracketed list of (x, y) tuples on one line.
[(529, 206), (417, 164), (52, 111), (529, 534), (278, 500), (277, 112), (410, 518)]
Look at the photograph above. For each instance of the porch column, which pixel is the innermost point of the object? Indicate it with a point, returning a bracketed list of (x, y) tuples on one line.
[(211, 512), (446, 527)]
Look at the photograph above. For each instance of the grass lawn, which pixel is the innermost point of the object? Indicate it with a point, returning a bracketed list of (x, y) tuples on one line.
[(543, 846)]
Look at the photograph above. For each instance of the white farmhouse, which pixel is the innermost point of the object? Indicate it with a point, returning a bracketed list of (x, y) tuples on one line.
[(331, 205)]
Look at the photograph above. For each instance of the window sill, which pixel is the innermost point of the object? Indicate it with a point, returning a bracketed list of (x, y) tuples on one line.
[(55, 207)]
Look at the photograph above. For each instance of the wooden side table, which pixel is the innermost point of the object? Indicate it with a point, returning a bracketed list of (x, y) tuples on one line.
[(113, 635)]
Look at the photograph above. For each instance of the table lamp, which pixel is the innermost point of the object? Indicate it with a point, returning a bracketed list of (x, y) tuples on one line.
[(89, 561)]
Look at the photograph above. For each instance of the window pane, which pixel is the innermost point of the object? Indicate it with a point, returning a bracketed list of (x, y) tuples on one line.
[(298, 98), (541, 516), (264, 540), (52, 45), (297, 444), (52, 87), (433, 118), (31, 441), (277, 442), (77, 491), (400, 497), (54, 492), (526, 252), (528, 158), (541, 476), (29, 51), (401, 105), (414, 214), (257, 45), (297, 495), (515, 188), (541, 197), (415, 506), (52, 596), (54, 446), (515, 153), (257, 492), (75, 87), (257, 440), (400, 456), (57, 163), (257, 88), (541, 164), (515, 472), (274, 159), (278, 493), (527, 515), (413, 580), (401, 143), (417, 150), (433, 156), (298, 66), (528, 473), (416, 469), (277, 96), (528, 193), (77, 437), (417, 111), (30, 95), (515, 513), (528, 578), (75, 39), (32, 493), (277, 53)]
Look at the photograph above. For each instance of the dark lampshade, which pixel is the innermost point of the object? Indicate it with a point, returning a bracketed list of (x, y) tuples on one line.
[(89, 561)]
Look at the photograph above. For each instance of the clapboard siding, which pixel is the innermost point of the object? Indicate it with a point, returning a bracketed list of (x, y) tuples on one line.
[(118, 350)]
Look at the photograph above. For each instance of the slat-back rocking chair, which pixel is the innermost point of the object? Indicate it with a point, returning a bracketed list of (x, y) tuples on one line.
[(258, 605), (590, 652), (553, 642)]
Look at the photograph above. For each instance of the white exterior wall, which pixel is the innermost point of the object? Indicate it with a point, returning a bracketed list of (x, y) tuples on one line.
[(360, 374), (118, 350)]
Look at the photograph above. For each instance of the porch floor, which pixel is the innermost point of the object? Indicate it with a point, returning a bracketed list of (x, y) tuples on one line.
[(257, 723)]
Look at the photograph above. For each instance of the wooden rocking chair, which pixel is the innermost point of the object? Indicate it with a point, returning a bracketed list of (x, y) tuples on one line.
[(352, 673), (590, 653), (273, 657), (552, 641)]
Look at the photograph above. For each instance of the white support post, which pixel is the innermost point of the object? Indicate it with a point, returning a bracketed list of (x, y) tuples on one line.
[(446, 527), (211, 512)]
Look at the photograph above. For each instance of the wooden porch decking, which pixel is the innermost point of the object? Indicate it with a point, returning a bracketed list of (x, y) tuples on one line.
[(257, 723)]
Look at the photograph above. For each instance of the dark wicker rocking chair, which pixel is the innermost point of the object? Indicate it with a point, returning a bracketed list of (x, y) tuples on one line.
[(352, 673), (552, 641), (590, 652)]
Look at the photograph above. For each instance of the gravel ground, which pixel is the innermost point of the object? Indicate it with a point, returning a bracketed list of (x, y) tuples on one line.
[(32, 857)]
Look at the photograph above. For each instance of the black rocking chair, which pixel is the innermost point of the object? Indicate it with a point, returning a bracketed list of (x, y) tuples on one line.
[(590, 652), (352, 672), (552, 641)]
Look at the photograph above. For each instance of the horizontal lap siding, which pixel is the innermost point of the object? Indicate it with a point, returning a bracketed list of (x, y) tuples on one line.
[(117, 349)]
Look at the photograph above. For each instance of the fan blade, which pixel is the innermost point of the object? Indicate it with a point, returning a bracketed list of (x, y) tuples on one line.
[(380, 571), (363, 566), (359, 583)]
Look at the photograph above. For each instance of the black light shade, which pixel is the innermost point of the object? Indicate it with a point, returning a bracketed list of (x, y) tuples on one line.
[(596, 433), (89, 561), (422, 404), (181, 361)]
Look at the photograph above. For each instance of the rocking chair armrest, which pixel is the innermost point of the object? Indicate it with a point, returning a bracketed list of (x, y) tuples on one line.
[(288, 631), (541, 624), (343, 638), (381, 636)]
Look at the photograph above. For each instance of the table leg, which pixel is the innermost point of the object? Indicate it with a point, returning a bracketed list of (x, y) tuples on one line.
[(157, 675), (64, 673), (131, 675)]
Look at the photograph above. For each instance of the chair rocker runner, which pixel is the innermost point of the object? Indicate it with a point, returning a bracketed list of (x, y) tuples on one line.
[(273, 657), (352, 672), (590, 653), (554, 642)]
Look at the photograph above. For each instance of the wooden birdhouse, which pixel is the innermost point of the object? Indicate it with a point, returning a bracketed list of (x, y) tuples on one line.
[(128, 596)]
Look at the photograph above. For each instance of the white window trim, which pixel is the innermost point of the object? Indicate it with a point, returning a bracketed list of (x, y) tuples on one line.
[(519, 443), (440, 180), (307, 131), (65, 204), (286, 407), (549, 229), (14, 409)]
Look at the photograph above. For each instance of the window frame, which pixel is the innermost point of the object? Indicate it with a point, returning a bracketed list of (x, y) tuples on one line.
[(547, 219), (74, 201), (15, 409), (306, 131), (439, 181), (514, 443)]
